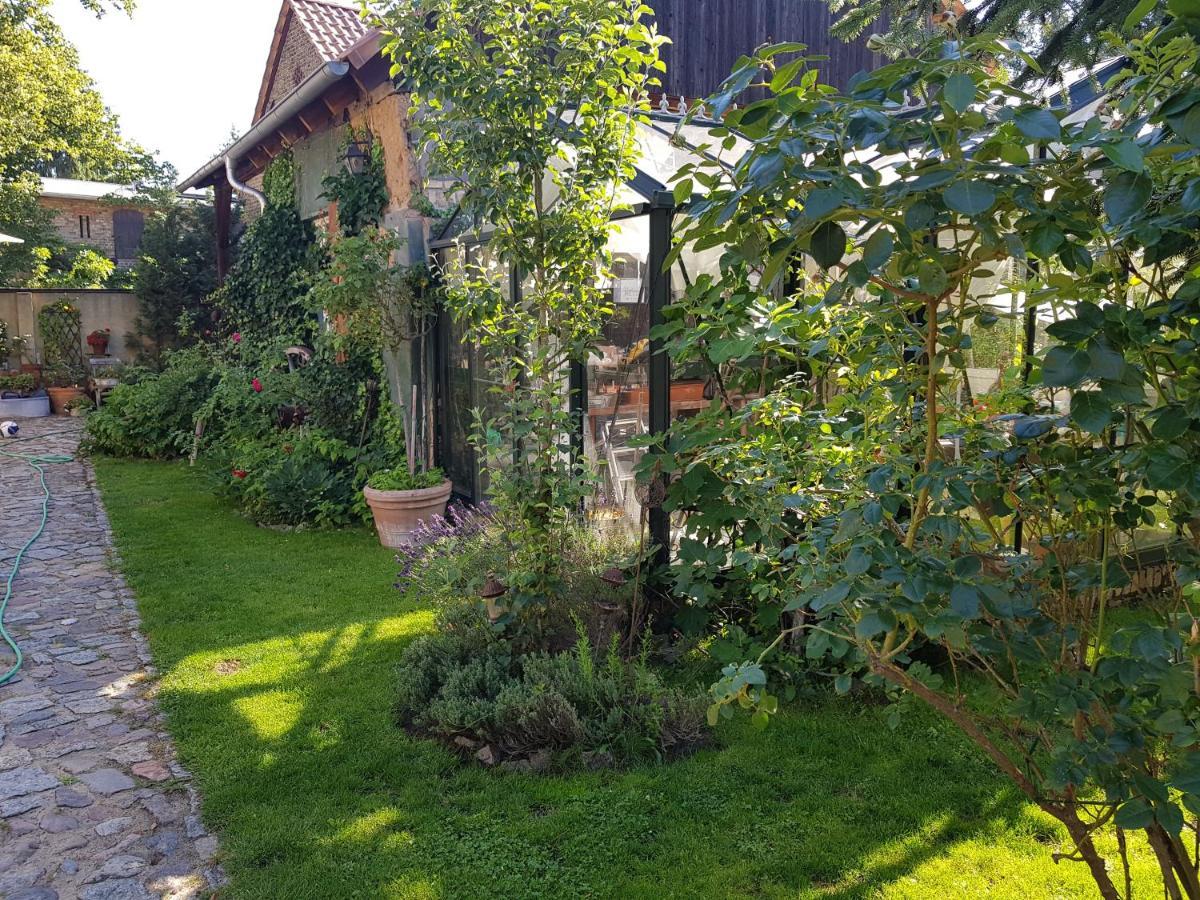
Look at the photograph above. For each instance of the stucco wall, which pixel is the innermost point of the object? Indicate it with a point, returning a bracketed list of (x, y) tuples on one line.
[(115, 310)]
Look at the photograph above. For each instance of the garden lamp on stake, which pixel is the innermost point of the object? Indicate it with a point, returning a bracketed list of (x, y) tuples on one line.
[(492, 591)]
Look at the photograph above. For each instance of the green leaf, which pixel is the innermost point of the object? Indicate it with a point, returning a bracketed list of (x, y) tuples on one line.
[(858, 561), (1134, 814), (959, 92), (683, 191), (964, 600), (1091, 411), (970, 197), (828, 244), (1127, 196), (1136, 15), (820, 202), (1171, 424), (1126, 154), (1104, 362), (1187, 125), (1064, 367), (1045, 239), (878, 250), (1038, 124)]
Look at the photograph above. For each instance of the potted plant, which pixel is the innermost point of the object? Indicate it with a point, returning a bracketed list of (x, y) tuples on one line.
[(400, 500), (98, 340), (80, 406), (63, 384), (20, 398)]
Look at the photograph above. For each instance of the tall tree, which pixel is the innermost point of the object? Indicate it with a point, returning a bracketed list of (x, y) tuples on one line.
[(1059, 34)]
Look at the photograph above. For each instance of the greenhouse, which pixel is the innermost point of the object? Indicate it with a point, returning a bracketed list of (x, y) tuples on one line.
[(629, 389)]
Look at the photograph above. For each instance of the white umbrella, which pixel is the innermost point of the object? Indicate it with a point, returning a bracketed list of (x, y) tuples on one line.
[(9, 239)]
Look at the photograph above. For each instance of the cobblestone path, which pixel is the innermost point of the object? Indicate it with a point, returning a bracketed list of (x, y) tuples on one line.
[(93, 804)]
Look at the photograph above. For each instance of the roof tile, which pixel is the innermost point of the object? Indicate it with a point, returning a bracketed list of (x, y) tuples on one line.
[(332, 26)]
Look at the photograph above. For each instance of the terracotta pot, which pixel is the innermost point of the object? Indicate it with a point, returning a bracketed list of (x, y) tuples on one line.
[(398, 513), (61, 396)]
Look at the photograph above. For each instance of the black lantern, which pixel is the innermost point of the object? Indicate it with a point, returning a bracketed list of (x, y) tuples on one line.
[(356, 156), (357, 149)]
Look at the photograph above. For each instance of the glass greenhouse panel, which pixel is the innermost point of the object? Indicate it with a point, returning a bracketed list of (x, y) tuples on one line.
[(618, 401)]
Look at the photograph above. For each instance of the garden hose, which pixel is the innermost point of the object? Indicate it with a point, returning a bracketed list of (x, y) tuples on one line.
[(37, 462)]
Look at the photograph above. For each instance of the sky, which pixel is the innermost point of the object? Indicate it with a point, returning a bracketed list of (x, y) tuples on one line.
[(180, 74)]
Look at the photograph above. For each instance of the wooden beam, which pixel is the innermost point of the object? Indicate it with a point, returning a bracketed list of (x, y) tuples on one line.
[(223, 200), (293, 131), (340, 96), (315, 116)]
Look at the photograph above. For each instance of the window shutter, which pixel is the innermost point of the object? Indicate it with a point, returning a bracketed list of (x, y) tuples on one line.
[(128, 225)]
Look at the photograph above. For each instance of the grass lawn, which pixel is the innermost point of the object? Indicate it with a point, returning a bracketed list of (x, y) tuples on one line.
[(277, 652)]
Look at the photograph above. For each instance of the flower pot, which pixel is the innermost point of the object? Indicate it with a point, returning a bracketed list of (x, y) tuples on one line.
[(61, 396), (98, 343), (398, 513)]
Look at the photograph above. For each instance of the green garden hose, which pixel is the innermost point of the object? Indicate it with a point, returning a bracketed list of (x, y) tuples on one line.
[(38, 464)]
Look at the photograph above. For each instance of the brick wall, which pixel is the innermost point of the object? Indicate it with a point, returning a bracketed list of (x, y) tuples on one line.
[(97, 226), (298, 59)]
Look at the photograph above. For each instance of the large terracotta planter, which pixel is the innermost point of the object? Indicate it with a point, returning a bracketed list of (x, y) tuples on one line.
[(61, 396), (398, 513)]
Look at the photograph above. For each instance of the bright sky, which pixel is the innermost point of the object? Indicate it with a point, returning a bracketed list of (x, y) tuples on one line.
[(181, 73)]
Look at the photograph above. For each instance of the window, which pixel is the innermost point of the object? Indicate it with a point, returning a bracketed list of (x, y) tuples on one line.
[(128, 225), (85, 227)]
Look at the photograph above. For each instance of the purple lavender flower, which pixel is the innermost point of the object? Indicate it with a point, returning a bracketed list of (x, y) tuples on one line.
[(440, 536)]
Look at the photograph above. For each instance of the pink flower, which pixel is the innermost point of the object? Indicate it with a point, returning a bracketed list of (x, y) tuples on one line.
[(257, 385), (237, 337)]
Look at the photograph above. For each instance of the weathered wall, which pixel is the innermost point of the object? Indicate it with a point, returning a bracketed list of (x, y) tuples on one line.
[(97, 229), (115, 310)]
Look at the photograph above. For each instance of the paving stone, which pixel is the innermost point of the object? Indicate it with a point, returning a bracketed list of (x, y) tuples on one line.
[(57, 823), (122, 865), (116, 889), (70, 799), (107, 781), (85, 705), (25, 780), (13, 757), (113, 826), (151, 771)]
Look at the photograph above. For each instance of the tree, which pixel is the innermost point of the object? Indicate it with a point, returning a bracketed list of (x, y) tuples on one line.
[(1058, 35), (534, 108), (174, 275), (52, 119), (860, 511)]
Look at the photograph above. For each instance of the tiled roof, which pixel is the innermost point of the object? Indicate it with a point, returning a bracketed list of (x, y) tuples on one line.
[(333, 27)]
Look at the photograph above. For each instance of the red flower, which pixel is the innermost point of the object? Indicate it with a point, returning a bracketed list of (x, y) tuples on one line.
[(237, 337), (257, 385), (240, 473)]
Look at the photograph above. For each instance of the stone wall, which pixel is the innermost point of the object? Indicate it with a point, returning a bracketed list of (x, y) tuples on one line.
[(115, 310)]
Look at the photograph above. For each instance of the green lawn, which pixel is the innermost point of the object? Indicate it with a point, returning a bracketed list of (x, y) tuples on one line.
[(277, 652)]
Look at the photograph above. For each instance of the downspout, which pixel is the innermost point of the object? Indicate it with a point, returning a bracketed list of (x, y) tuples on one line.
[(243, 189)]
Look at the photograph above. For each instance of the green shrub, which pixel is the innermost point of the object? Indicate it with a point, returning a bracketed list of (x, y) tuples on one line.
[(400, 479), (152, 414), (22, 384), (469, 688)]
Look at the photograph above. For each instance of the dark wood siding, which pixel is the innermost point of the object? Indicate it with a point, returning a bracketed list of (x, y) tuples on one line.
[(709, 35)]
